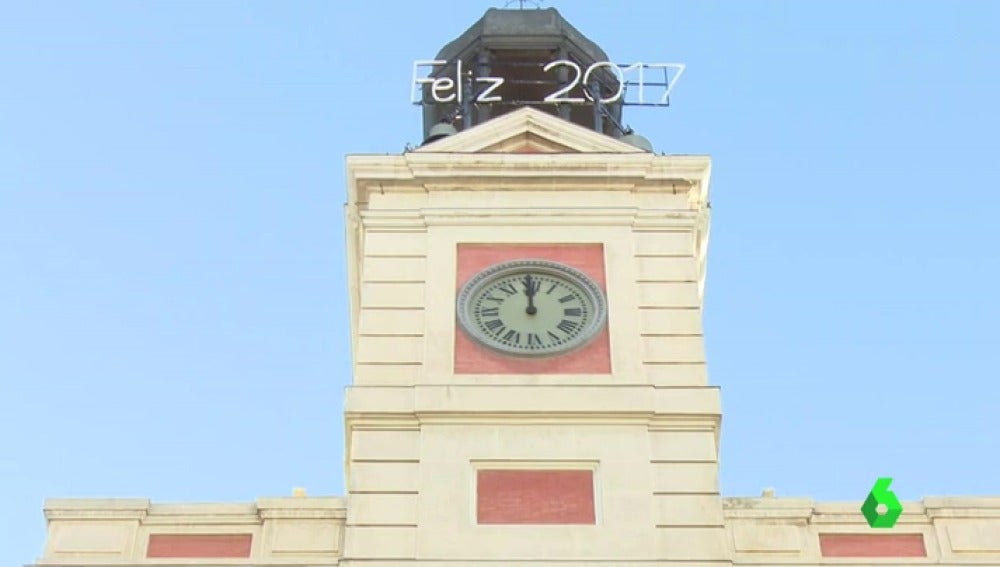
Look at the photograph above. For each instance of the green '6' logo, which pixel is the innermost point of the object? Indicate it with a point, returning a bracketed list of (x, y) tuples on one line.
[(882, 508)]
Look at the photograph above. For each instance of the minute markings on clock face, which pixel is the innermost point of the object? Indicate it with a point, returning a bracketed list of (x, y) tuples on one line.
[(531, 307), (502, 310)]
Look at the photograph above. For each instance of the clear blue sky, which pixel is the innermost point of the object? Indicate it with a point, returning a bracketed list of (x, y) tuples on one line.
[(174, 315)]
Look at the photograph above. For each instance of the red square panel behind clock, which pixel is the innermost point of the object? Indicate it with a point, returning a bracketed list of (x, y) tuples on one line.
[(472, 358)]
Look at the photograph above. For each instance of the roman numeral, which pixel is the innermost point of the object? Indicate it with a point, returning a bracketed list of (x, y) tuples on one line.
[(573, 312), (511, 334), (566, 298), (490, 312), (551, 289), (491, 298), (534, 339), (535, 285), (494, 324), (567, 326), (508, 288), (554, 337)]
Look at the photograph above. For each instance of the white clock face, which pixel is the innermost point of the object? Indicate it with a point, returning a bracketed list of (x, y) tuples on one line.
[(531, 308)]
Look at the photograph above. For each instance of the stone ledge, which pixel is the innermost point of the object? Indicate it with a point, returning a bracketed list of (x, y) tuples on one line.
[(70, 509), (96, 508), (177, 562), (459, 399), (962, 507), (322, 508), (201, 514), (922, 511)]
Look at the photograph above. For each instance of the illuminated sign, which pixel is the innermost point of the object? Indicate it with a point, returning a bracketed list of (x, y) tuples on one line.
[(460, 87)]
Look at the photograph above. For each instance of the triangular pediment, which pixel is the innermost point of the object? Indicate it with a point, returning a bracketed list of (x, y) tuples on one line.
[(528, 131)]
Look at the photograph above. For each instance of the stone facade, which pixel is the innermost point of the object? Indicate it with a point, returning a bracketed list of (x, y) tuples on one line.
[(310, 531), (458, 456)]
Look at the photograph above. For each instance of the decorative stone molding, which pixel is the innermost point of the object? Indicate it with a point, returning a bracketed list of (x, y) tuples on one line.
[(57, 509), (202, 514), (120, 532), (947, 531), (302, 508), (533, 123)]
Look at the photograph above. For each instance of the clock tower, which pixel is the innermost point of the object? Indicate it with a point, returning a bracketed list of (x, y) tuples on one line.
[(529, 384), (526, 289)]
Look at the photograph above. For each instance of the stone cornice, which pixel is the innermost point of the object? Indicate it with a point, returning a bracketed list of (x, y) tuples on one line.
[(768, 508), (199, 562), (146, 513), (546, 130), (847, 513), (962, 507), (202, 513), (651, 220), (96, 508), (630, 172), (529, 216), (413, 421), (547, 399), (644, 220), (327, 508), (393, 220)]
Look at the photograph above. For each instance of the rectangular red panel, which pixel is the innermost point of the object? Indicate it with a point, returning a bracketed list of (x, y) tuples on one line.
[(471, 358), (199, 545), (535, 497), (872, 545)]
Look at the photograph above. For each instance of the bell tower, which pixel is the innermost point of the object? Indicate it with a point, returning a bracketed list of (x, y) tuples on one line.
[(529, 385), (517, 45), (526, 288)]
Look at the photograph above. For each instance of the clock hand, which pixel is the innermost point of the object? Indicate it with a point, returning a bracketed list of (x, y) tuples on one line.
[(529, 289)]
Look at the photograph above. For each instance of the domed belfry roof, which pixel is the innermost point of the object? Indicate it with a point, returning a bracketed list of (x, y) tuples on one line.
[(517, 45), (522, 29)]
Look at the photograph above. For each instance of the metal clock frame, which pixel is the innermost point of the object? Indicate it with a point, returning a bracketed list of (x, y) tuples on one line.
[(544, 267)]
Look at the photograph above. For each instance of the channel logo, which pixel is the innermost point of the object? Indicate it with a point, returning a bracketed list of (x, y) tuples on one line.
[(882, 508)]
